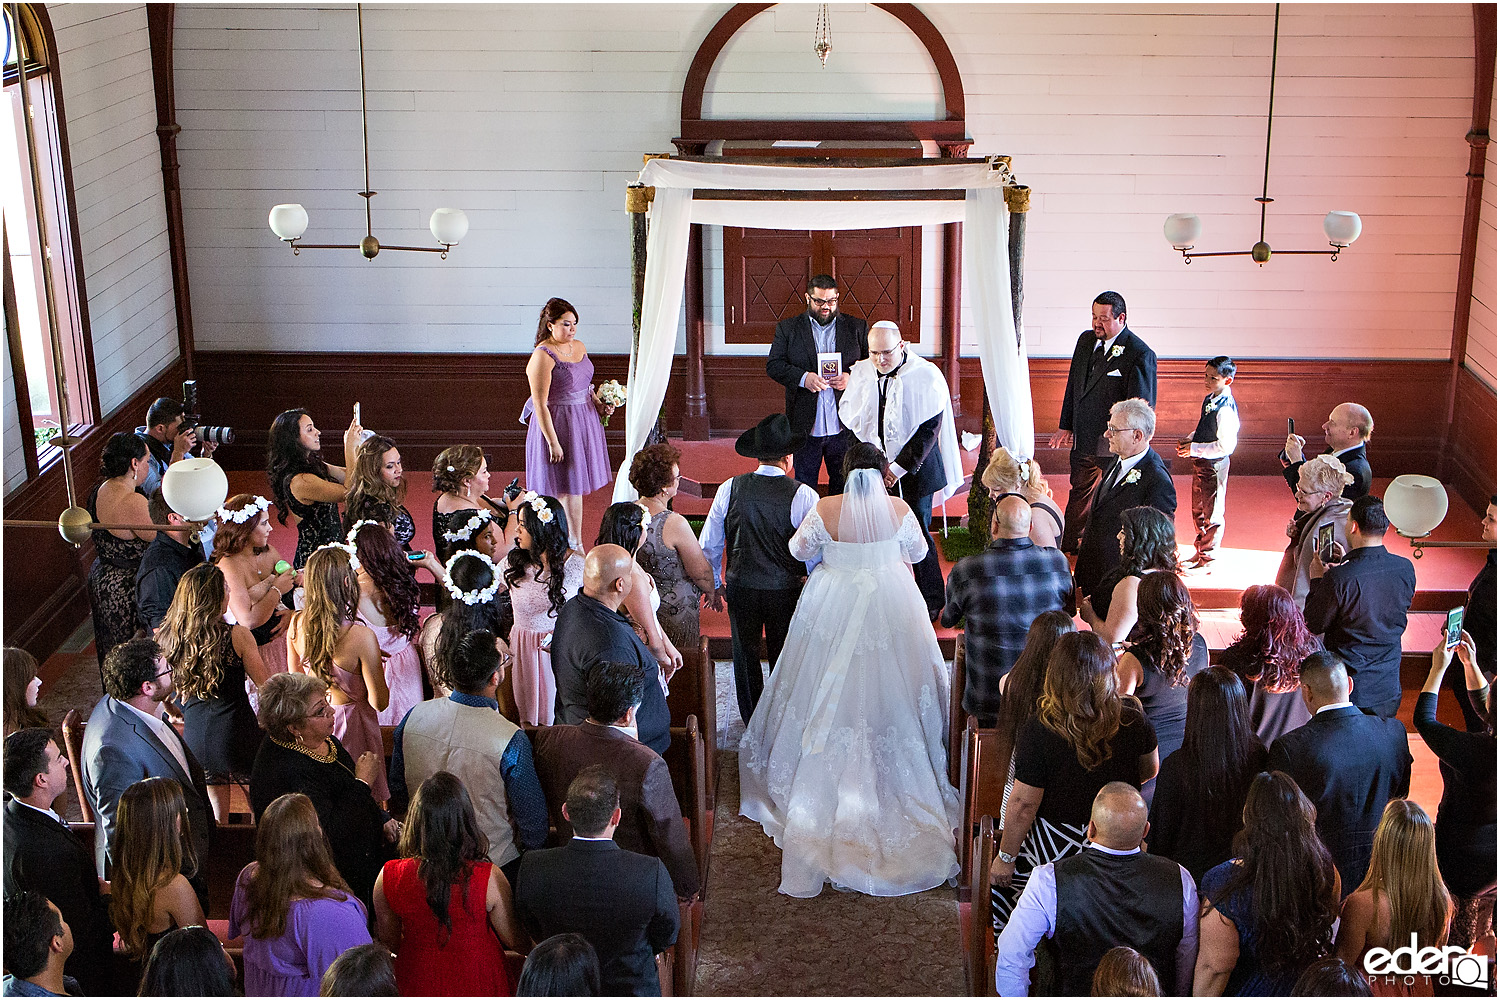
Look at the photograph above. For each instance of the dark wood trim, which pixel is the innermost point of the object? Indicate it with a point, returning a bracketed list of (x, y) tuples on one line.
[(160, 19), (707, 130), (17, 359), (874, 194), (952, 317), (695, 422), (708, 53)]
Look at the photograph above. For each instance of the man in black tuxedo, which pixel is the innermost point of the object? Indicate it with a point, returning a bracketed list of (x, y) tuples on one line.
[(43, 856), (622, 903), (1135, 477), (1346, 432), (812, 401), (1109, 364), (1348, 763)]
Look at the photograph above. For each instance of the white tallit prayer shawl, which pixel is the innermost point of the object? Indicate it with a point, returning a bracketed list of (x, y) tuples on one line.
[(916, 394)]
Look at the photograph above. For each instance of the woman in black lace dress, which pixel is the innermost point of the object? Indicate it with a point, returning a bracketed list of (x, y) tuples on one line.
[(305, 485), (117, 554)]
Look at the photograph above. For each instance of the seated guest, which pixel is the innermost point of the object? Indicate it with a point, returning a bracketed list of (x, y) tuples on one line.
[(1402, 902), (1332, 977), (1200, 793), (1270, 911), (388, 603), (1345, 432), (127, 740), (43, 856), (1318, 504), (542, 573), (1083, 738), (564, 965), (1359, 607), (300, 754), (465, 734), (1273, 640), (305, 485), (1348, 763), (651, 820), (22, 687), (443, 908), (377, 490), (243, 550), (1124, 972), (1466, 814), (363, 971), (1005, 475), (1166, 652), (291, 905), (1137, 477), (671, 553), (997, 594), (1112, 893), (210, 661), (189, 962), (471, 577), (591, 629), (149, 895), (626, 528), (326, 641), (621, 902), (1021, 690), (1148, 543), (38, 942), (170, 554)]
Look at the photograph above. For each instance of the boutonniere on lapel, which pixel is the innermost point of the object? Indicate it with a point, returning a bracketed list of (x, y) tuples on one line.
[(1211, 407), (1117, 351), (1133, 476)]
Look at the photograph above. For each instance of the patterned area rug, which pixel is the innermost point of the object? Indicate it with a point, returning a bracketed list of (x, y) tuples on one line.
[(757, 942)]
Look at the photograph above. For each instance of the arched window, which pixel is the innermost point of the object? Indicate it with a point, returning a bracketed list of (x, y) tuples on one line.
[(38, 250)]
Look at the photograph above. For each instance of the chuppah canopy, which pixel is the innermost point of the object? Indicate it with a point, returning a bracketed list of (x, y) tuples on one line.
[(764, 196)]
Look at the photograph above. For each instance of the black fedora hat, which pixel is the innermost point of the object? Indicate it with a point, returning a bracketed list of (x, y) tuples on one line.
[(772, 438)]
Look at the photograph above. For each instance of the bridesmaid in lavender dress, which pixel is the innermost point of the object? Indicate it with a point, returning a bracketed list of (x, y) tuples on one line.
[(565, 453)]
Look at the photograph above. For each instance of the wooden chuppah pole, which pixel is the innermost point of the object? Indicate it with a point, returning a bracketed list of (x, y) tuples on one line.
[(637, 199)]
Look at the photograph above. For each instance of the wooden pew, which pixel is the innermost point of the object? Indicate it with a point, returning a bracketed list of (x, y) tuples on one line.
[(979, 939), (980, 790), (957, 718), (687, 762), (693, 691), (72, 730)]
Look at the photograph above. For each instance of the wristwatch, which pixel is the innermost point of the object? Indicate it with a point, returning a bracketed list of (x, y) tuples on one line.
[(1009, 859)]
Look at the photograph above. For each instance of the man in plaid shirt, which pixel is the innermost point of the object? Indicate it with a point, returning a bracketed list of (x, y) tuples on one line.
[(998, 593)]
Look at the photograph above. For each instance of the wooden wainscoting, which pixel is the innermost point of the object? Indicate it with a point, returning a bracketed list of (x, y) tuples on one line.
[(1471, 448)]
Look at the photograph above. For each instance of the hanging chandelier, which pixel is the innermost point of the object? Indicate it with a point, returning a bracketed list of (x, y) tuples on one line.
[(1341, 228), (289, 222), (823, 36)]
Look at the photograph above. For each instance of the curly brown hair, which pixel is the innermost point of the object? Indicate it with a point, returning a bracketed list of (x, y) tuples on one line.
[(1164, 626), (1079, 701), (231, 539), (651, 471), (194, 637), (455, 464)]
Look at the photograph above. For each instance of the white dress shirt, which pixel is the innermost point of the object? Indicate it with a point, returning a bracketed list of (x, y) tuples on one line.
[(712, 537)]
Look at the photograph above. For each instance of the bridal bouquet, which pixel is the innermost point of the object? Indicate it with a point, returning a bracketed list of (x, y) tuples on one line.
[(611, 393)]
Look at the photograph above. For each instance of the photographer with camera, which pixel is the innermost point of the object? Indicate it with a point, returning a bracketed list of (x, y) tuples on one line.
[(172, 431)]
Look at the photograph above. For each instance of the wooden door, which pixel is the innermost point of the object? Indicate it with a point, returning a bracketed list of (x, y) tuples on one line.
[(766, 272)]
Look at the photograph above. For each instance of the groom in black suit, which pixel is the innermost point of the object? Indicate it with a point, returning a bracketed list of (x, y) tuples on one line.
[(812, 402), (1135, 477), (1109, 364)]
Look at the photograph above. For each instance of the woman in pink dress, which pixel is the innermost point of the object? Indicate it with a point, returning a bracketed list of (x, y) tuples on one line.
[(388, 601), (324, 640), (565, 453), (542, 572)]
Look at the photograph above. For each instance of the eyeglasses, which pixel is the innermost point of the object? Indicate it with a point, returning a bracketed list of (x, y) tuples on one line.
[(886, 354), (323, 712), (165, 673), (1300, 492), (832, 300), (1111, 429)]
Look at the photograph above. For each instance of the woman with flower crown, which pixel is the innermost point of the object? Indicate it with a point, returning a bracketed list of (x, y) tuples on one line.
[(243, 550), (388, 602), (542, 572), (326, 641)]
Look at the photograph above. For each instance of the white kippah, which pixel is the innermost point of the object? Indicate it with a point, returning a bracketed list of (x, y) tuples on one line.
[(886, 324)]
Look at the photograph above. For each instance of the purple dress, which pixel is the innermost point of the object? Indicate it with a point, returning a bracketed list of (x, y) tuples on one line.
[(585, 462), (317, 932)]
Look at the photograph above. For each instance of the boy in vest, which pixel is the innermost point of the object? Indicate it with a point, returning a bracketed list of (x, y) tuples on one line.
[(752, 519), (1210, 446)]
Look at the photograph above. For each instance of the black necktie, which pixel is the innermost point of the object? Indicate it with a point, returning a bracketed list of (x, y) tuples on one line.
[(884, 381), (1096, 359)]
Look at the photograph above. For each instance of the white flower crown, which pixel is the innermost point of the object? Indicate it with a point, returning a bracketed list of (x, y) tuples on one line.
[(345, 548), (543, 511), (471, 597), (470, 527), (355, 530), (250, 511)]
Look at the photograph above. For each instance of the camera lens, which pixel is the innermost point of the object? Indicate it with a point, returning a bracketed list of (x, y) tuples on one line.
[(215, 435)]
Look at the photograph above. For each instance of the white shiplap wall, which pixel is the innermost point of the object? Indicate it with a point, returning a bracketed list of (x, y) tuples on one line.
[(532, 118), (104, 56), (1480, 357)]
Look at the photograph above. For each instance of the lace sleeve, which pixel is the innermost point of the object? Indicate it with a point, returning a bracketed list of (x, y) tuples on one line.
[(912, 538), (810, 538)]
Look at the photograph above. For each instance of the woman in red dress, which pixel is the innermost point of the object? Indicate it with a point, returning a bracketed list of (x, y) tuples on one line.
[(443, 908)]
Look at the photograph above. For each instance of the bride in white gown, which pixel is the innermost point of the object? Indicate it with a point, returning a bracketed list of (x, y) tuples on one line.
[(844, 762)]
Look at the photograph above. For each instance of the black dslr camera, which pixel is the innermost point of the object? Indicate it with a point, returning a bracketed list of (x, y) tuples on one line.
[(191, 417)]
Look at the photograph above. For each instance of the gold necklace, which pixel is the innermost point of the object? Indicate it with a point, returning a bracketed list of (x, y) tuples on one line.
[(328, 756)]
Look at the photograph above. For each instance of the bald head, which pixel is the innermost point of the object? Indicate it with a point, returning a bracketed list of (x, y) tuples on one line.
[(606, 574), (1012, 518), (1325, 681), (884, 339), (1118, 819)]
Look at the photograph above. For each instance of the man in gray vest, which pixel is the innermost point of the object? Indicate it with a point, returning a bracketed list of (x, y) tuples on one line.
[(753, 517), (466, 735), (1111, 894)]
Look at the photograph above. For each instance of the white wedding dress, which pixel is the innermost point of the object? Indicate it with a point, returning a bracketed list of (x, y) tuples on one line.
[(844, 762)]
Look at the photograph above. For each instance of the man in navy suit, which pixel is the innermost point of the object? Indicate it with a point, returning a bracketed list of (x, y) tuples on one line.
[(128, 740), (622, 903), (1135, 476), (1348, 763), (1346, 432), (812, 401), (1109, 364)]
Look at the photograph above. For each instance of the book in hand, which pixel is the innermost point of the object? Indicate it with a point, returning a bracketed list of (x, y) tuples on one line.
[(830, 365)]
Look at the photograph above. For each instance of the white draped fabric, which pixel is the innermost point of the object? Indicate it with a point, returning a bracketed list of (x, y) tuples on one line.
[(986, 264)]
